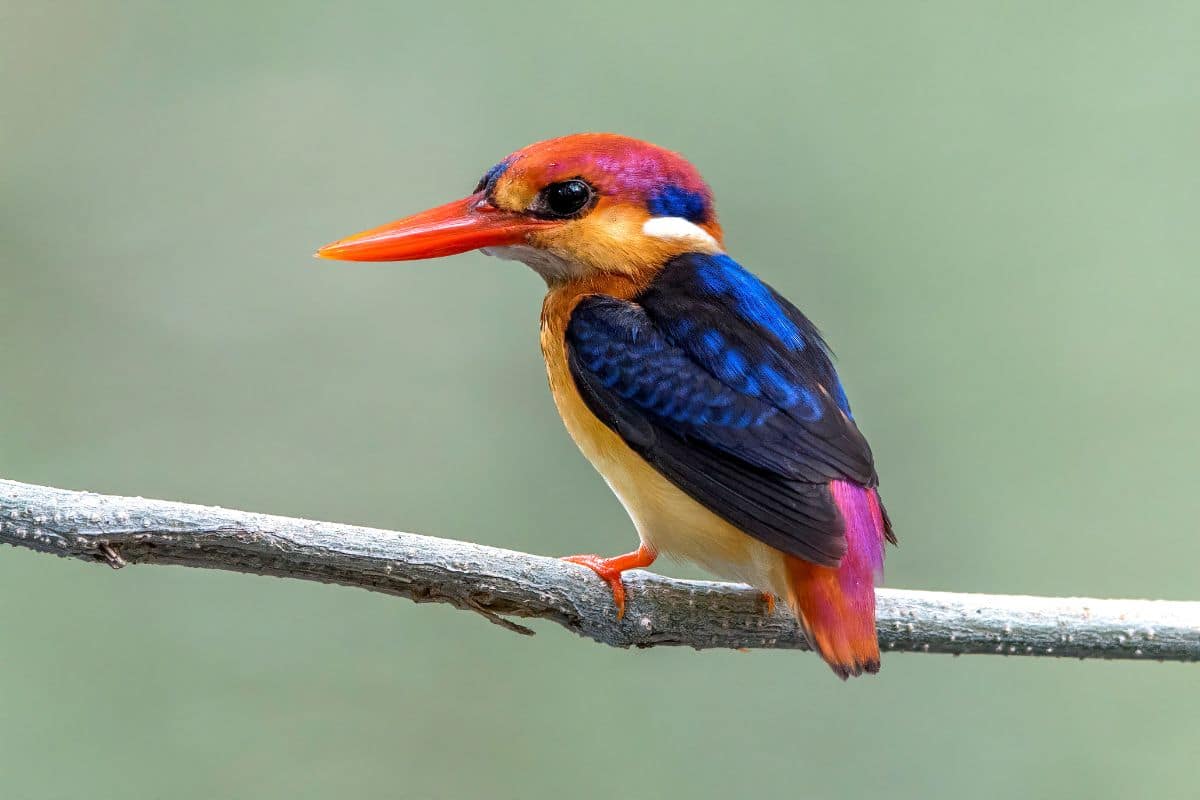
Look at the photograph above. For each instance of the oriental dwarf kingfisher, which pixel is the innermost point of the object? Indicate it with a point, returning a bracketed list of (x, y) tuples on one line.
[(707, 401)]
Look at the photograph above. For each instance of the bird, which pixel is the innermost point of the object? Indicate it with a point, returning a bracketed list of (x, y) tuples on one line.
[(707, 401)]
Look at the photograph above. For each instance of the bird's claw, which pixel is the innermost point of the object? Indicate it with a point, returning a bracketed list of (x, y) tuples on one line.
[(608, 573), (610, 569), (769, 599)]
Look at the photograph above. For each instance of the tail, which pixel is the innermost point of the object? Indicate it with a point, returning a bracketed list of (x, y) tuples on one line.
[(836, 605)]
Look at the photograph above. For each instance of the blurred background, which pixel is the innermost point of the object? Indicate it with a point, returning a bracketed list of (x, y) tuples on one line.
[(992, 214)]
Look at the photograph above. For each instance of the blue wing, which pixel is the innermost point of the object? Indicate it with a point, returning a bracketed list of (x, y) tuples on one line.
[(729, 391)]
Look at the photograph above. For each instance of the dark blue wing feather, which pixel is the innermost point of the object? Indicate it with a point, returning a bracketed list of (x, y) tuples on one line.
[(729, 391)]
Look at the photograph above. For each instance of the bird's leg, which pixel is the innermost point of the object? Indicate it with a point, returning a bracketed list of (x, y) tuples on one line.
[(610, 569), (769, 599)]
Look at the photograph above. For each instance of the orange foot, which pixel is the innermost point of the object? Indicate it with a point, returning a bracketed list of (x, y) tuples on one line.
[(610, 569), (769, 599)]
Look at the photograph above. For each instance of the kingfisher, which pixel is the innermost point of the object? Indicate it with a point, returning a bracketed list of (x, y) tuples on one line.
[(707, 401)]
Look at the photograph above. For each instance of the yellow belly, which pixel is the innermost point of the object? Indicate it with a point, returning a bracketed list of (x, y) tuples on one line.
[(667, 519)]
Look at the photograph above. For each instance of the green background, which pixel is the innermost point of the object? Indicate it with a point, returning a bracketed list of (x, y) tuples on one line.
[(991, 210)]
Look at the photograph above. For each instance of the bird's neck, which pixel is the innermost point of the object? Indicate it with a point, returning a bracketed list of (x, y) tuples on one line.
[(562, 298)]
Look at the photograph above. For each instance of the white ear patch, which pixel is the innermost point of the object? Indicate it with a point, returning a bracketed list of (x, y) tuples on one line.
[(678, 228)]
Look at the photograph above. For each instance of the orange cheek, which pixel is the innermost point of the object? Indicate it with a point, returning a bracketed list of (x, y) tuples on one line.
[(609, 239)]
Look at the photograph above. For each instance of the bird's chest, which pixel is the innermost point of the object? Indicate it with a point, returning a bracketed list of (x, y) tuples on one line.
[(602, 446)]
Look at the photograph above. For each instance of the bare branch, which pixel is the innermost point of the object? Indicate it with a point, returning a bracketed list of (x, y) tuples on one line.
[(500, 584)]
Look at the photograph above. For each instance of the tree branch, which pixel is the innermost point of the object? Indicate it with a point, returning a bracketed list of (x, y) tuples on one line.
[(500, 584)]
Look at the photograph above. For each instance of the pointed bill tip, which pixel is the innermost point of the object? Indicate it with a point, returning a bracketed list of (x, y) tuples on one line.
[(334, 251)]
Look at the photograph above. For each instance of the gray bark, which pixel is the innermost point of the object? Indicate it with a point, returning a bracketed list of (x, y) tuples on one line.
[(503, 584)]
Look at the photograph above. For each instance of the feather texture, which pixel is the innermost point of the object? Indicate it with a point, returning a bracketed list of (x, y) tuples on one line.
[(837, 606), (729, 391)]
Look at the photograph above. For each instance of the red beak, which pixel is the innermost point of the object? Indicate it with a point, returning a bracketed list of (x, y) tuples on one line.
[(467, 224)]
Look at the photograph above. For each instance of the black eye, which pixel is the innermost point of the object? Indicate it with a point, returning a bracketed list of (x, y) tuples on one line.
[(564, 199)]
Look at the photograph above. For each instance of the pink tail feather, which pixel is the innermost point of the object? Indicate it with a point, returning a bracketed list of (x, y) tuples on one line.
[(836, 605)]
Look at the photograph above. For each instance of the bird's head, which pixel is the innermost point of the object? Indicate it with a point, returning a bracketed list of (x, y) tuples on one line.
[(572, 207)]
